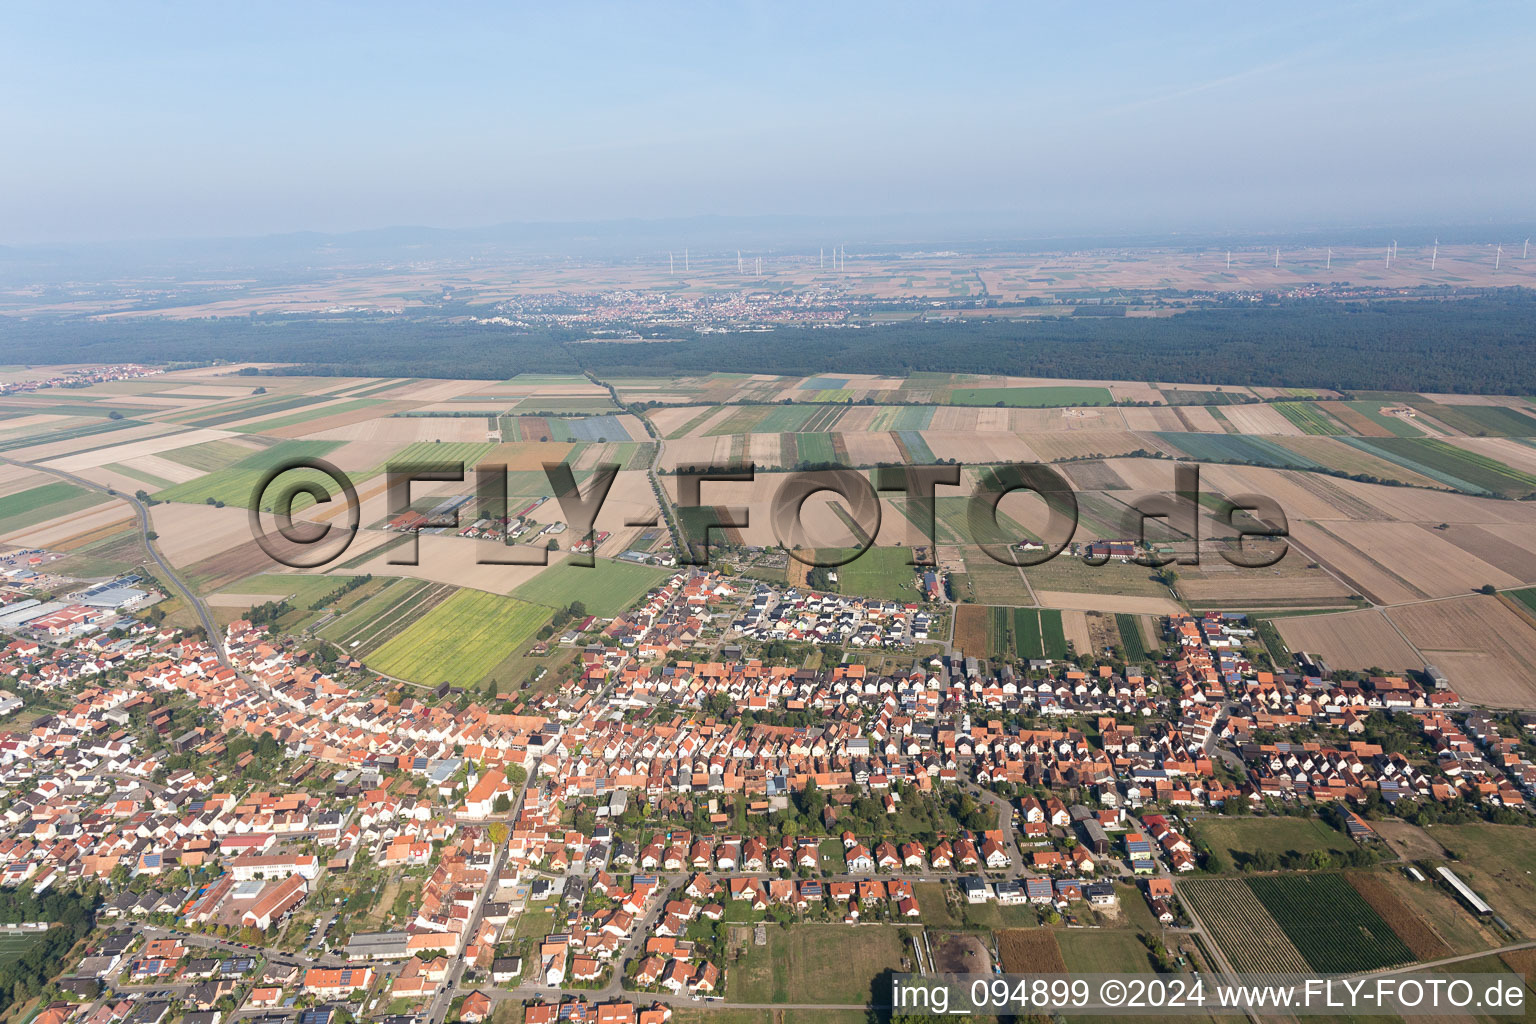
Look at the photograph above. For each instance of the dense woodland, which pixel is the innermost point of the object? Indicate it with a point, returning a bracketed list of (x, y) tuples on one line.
[(1483, 344)]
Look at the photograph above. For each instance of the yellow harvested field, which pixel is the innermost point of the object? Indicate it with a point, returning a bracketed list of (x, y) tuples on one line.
[(1157, 418), (977, 448), (191, 533), (1355, 641), (404, 430), (1487, 650), (20, 478), (452, 560), (1412, 505), (696, 450), (44, 453), (1421, 557), (1107, 603), (1255, 586), (1356, 567), (1201, 421), (58, 532), (868, 449), (1074, 625), (1259, 419)]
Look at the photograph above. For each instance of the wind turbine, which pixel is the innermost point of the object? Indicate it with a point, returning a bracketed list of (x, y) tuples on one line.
[(1330, 259), (1229, 259), (1498, 257), (1434, 254), (1527, 253), (670, 268), (1277, 258), (738, 261), (685, 260)]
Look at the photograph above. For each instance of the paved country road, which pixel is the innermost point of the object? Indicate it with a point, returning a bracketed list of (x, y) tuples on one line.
[(215, 639)]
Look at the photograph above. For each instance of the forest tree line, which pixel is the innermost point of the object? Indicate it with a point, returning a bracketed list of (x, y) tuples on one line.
[(1479, 345)]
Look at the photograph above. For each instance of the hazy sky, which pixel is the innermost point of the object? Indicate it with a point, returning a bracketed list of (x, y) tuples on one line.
[(146, 120)]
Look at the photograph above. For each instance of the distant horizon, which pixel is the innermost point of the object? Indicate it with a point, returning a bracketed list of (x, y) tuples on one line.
[(798, 230)]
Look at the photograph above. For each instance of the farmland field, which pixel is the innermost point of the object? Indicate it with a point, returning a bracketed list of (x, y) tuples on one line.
[(1027, 639), (1030, 951), (235, 484), (372, 622), (1054, 638), (815, 448), (1486, 648), (1527, 597), (1241, 927), (460, 640), (42, 503), (883, 573), (1104, 951), (1330, 923), (1453, 466), (1420, 939), (1355, 640), (1130, 638), (1393, 426), (606, 589), (815, 963), (1032, 398), (1499, 863), (1240, 838), (1238, 448), (975, 630), (1309, 416)]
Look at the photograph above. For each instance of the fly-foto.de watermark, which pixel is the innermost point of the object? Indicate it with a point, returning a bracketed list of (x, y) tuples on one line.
[(317, 540)]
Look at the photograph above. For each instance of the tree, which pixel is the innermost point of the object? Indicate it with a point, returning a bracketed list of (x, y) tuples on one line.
[(502, 804)]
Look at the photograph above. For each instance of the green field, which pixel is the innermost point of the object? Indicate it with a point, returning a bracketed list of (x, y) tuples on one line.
[(606, 589), (302, 589), (815, 449), (460, 640), (1240, 838), (1130, 638), (1309, 417), (1032, 398), (883, 573), (1477, 420), (1394, 425), (1453, 466), (1329, 923), (1105, 951), (1052, 634), (815, 963), (208, 455), (1027, 638), (29, 439), (45, 502), (236, 484), (294, 419), (1238, 448), (1527, 597), (248, 408), (112, 555), (373, 621)]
